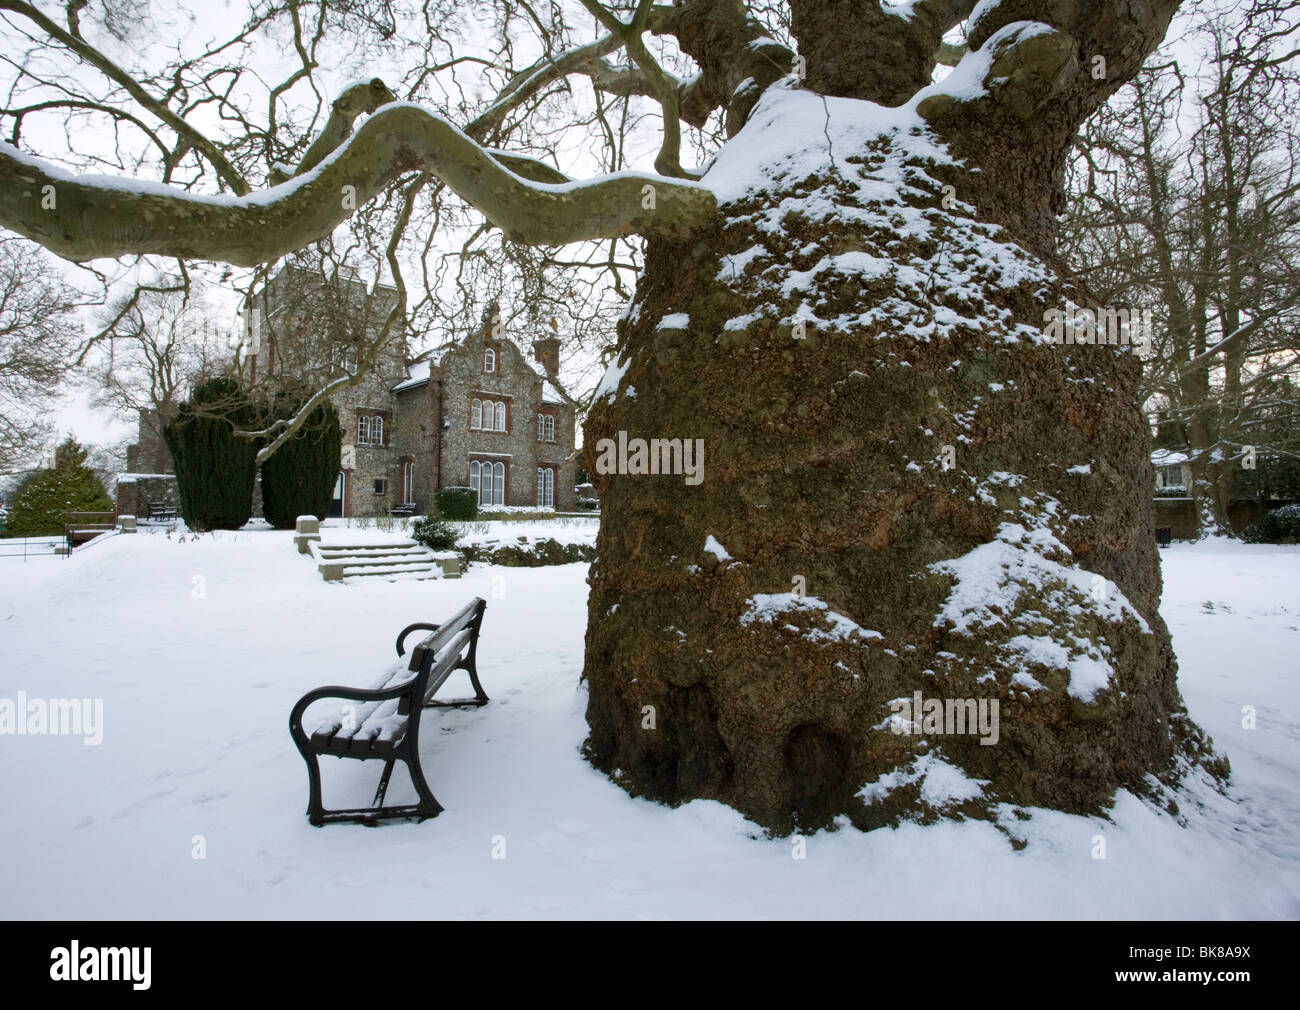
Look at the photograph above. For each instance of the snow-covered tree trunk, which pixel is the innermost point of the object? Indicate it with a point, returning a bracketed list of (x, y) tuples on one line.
[(905, 489)]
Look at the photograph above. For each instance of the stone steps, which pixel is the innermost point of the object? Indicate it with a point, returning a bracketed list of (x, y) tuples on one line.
[(405, 560)]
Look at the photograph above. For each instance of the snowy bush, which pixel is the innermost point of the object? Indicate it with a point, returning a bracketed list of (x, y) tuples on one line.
[(434, 533), (299, 477), (1281, 526), (215, 468), (460, 503)]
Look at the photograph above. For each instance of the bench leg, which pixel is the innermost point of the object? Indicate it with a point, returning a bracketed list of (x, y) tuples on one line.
[(479, 693), (315, 809), (430, 805), (383, 784), (480, 696), (317, 814)]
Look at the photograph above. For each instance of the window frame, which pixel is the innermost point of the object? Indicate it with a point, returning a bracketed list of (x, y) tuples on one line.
[(545, 487)]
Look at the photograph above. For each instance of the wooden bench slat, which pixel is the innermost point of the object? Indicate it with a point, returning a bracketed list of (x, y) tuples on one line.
[(379, 725)]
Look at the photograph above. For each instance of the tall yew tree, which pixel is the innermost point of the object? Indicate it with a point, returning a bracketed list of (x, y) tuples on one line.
[(299, 479), (215, 468), (910, 490)]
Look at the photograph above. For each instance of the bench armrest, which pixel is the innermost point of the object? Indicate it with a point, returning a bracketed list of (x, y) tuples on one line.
[(348, 694), (413, 627)]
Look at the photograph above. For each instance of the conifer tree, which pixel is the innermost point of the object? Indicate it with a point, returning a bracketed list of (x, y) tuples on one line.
[(215, 468), (299, 478), (39, 506)]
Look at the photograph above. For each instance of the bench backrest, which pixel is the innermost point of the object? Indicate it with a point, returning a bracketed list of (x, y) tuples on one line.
[(451, 639), (470, 614)]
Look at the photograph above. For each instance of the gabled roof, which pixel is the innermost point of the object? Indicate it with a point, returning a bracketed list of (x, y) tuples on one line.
[(417, 372)]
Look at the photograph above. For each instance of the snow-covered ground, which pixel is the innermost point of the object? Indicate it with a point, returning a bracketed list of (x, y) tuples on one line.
[(199, 648)]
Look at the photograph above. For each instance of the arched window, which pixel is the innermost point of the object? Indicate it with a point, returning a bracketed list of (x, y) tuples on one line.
[(476, 414), (474, 469), (501, 417), (498, 484), (363, 429), (550, 428), (377, 430), (489, 360), (545, 487)]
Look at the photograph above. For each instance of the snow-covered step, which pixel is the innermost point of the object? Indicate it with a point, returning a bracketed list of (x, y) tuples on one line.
[(427, 569), (371, 550), (397, 560)]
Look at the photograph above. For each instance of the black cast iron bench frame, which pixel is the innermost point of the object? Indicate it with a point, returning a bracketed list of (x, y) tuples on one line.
[(432, 661)]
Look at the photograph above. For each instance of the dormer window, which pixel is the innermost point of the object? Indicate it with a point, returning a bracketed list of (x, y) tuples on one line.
[(489, 360)]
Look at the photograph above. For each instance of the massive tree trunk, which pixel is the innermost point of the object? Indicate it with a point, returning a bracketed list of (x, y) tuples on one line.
[(906, 488)]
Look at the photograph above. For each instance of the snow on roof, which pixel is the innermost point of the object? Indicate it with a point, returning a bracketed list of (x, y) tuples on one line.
[(549, 393), (1168, 457), (417, 372)]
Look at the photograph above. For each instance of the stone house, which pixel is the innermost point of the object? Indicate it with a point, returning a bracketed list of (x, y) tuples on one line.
[(478, 413), (473, 413)]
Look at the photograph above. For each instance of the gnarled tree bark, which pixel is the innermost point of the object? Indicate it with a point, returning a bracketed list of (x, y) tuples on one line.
[(909, 490)]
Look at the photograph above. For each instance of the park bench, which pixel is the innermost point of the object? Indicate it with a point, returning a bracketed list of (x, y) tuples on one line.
[(402, 510), (82, 527), (384, 722), (161, 510)]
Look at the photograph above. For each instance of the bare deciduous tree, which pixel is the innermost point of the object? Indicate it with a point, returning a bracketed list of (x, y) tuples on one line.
[(38, 331)]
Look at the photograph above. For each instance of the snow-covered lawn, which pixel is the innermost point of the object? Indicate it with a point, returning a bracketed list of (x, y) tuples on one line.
[(199, 649)]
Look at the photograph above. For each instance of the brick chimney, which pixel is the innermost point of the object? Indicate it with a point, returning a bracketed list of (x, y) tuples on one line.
[(547, 352)]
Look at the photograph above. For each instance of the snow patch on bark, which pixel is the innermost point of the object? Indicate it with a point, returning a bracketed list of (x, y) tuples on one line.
[(610, 380), (711, 546), (1019, 584), (941, 783), (767, 608), (797, 144)]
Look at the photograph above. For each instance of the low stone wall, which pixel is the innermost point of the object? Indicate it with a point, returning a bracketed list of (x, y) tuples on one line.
[(524, 553), (1179, 514), (136, 490)]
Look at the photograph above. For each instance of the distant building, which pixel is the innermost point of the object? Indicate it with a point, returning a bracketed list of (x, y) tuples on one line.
[(473, 413), (477, 413), (1175, 508)]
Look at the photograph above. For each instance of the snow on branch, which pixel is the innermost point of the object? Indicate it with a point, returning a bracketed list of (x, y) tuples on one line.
[(88, 217)]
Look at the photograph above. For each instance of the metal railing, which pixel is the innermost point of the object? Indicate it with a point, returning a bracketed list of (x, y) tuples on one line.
[(31, 547)]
